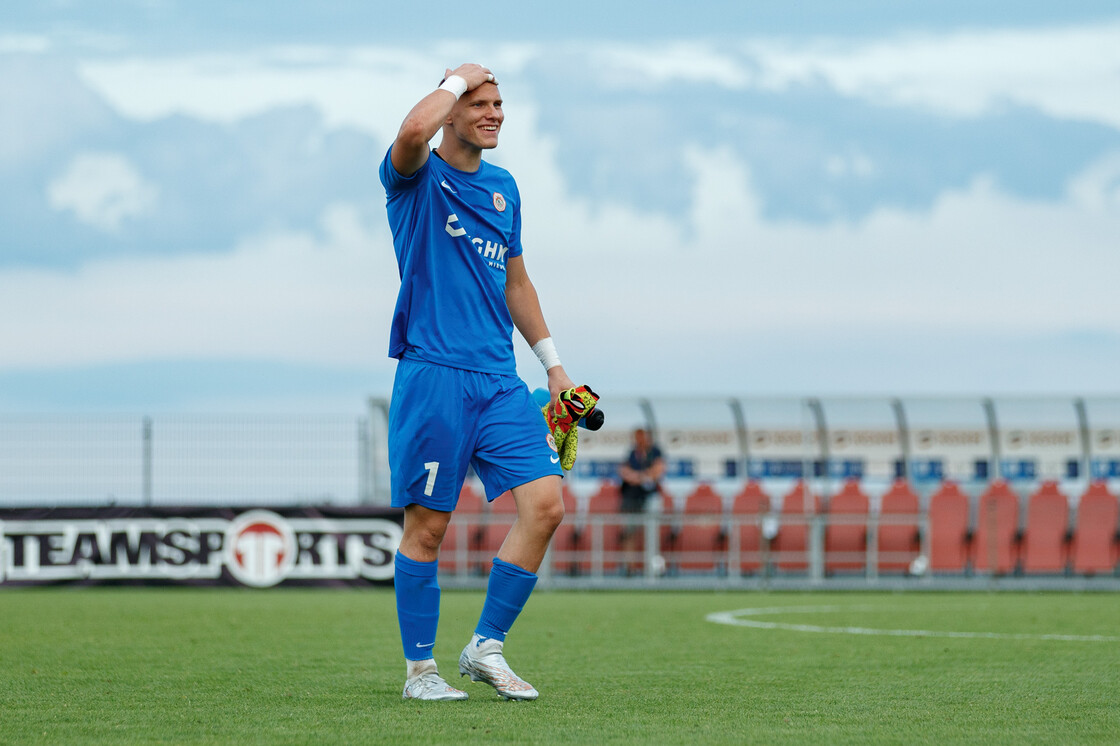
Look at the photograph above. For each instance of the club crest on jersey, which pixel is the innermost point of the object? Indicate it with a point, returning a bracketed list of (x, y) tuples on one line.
[(499, 202), (551, 442)]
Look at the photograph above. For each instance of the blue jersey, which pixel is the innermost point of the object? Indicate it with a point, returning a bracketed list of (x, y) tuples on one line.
[(453, 232)]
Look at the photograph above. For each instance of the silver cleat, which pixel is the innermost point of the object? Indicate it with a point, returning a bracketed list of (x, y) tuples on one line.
[(482, 660)]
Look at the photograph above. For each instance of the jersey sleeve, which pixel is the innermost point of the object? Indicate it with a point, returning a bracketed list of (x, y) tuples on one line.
[(393, 181), (515, 248)]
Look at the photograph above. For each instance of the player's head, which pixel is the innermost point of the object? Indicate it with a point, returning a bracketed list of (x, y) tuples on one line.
[(641, 438), (477, 117)]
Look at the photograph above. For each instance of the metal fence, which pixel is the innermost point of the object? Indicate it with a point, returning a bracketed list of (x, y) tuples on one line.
[(56, 461)]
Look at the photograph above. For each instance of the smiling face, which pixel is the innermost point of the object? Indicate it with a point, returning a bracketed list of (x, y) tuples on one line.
[(477, 117)]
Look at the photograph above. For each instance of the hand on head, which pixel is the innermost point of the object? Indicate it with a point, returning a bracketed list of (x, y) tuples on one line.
[(475, 75)]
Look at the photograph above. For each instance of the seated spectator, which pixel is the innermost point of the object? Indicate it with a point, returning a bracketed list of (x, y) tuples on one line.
[(641, 475)]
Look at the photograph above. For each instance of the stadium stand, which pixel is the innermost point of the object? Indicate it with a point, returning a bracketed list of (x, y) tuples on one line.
[(995, 543), (1094, 547), (1045, 547), (948, 529), (753, 504), (845, 537), (899, 539)]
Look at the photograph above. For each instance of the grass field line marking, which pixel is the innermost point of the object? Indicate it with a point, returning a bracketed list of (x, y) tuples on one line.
[(736, 618)]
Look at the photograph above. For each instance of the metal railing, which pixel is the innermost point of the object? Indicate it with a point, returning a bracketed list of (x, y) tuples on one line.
[(77, 460), (594, 559)]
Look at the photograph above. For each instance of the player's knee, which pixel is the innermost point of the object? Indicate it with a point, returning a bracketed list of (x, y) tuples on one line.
[(550, 515), (423, 539)]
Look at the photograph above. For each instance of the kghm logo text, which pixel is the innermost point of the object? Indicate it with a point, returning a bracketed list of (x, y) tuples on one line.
[(493, 253)]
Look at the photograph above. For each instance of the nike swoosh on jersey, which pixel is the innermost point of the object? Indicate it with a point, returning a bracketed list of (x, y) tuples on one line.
[(554, 459), (447, 186)]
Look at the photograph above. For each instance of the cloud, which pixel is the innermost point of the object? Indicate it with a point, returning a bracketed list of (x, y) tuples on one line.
[(289, 296), (369, 89), (1098, 188), (1069, 73), (829, 124), (44, 108), (24, 43), (640, 66), (712, 294), (102, 190), (979, 256), (664, 301)]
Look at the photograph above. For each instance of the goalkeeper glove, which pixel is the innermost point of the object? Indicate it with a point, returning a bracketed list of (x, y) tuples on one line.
[(571, 406)]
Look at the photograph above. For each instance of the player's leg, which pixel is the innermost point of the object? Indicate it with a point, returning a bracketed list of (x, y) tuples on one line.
[(416, 580), (416, 585), (540, 509), (517, 457), (420, 448)]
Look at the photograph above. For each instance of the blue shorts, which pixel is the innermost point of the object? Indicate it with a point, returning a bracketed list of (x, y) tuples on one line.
[(443, 419)]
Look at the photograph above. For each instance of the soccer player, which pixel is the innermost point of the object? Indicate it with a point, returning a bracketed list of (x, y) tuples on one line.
[(457, 400)]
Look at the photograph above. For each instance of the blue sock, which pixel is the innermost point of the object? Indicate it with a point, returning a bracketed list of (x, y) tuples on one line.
[(417, 590), (506, 593)]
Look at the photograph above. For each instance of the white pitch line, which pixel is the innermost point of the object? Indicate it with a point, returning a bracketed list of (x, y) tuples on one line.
[(734, 618)]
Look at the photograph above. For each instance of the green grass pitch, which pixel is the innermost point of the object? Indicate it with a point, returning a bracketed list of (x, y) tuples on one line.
[(229, 666)]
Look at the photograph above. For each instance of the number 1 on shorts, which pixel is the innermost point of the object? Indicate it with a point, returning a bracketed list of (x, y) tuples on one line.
[(433, 469)]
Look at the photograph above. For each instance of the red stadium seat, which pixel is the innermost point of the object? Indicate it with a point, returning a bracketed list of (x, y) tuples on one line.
[(501, 515), (995, 544), (791, 545), (1045, 541), (845, 536), (470, 502), (565, 541), (452, 549), (948, 529), (603, 507), (464, 534), (899, 537), (752, 503), (1094, 549), (699, 545), (606, 500)]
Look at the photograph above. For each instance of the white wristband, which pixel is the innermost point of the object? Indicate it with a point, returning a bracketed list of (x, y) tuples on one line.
[(545, 350), (456, 84)]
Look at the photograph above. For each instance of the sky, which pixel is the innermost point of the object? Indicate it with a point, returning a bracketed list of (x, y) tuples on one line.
[(762, 199)]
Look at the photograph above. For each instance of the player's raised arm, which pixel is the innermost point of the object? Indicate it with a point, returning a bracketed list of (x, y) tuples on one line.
[(410, 149)]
